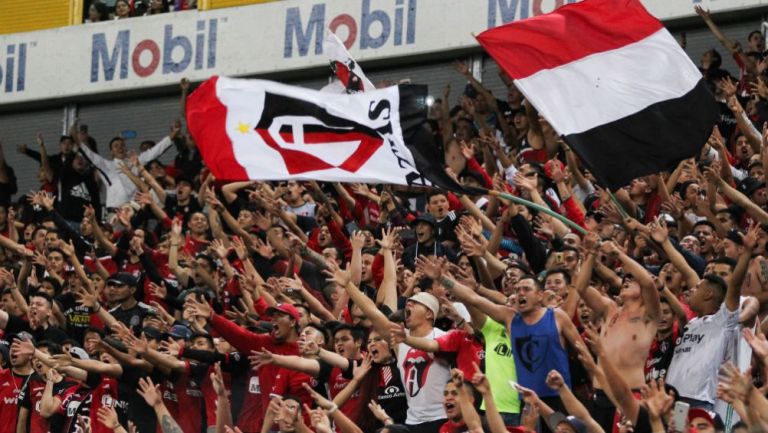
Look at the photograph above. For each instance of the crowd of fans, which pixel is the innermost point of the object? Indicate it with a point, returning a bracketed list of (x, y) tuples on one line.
[(104, 10), (143, 297)]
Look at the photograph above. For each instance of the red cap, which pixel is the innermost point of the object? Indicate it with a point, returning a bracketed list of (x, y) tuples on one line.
[(696, 412), (288, 309)]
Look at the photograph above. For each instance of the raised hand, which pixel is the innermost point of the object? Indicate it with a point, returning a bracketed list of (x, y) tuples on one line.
[(388, 238), (176, 229), (467, 150), (239, 246), (340, 276), (593, 339), (397, 334), (523, 182), (150, 392), (703, 13), (219, 248), (85, 298), (556, 171), (217, 380), (656, 399), (430, 267), (758, 343), (175, 129), (357, 240), (107, 416), (360, 370), (261, 358), (263, 248), (555, 380), (734, 382), (319, 420), (659, 230), (319, 399), (378, 412), (750, 238), (592, 241), (480, 381), (198, 308)]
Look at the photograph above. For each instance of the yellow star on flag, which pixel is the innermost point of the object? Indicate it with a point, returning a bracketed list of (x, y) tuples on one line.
[(243, 128)]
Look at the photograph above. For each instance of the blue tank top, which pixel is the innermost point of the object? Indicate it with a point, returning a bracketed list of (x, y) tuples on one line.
[(537, 351)]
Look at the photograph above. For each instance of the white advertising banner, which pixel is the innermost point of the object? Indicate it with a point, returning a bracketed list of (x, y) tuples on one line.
[(285, 35)]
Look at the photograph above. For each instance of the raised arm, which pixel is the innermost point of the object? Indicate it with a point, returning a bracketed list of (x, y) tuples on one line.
[(660, 235), (154, 398), (648, 289), (740, 199), (725, 41), (307, 366), (380, 322), (387, 292), (571, 403), (400, 335), (734, 286), (594, 299), (431, 268), (158, 149)]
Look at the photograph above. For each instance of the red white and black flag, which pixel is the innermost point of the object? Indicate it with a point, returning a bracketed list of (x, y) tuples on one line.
[(262, 130), (350, 75), (613, 82)]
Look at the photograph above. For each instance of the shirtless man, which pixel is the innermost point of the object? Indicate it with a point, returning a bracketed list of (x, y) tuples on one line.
[(627, 331)]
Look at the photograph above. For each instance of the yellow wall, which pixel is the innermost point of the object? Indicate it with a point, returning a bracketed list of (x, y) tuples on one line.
[(218, 4), (27, 15)]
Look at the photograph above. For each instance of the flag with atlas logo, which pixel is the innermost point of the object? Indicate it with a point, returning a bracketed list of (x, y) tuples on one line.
[(262, 130)]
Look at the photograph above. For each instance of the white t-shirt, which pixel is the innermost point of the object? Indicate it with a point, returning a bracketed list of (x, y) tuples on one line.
[(699, 352), (738, 352), (424, 378)]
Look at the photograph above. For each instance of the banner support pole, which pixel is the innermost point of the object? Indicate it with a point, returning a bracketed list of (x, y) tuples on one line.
[(539, 208)]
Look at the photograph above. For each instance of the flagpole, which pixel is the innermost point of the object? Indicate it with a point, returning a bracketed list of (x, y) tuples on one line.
[(620, 208), (539, 208)]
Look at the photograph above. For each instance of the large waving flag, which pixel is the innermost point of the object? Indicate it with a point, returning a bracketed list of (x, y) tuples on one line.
[(262, 130), (611, 79)]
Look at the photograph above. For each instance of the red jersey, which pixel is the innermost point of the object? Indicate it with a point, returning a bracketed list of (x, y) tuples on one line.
[(30, 399), (209, 395), (339, 380), (251, 416), (453, 427), (183, 398), (11, 385), (660, 355), (193, 246), (289, 382), (466, 348), (85, 401)]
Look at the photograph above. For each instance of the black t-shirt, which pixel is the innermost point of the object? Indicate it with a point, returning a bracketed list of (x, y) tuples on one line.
[(132, 317), (446, 228), (136, 408), (173, 208), (643, 423), (319, 383), (726, 122), (8, 189), (76, 190), (51, 333), (390, 391), (78, 317)]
